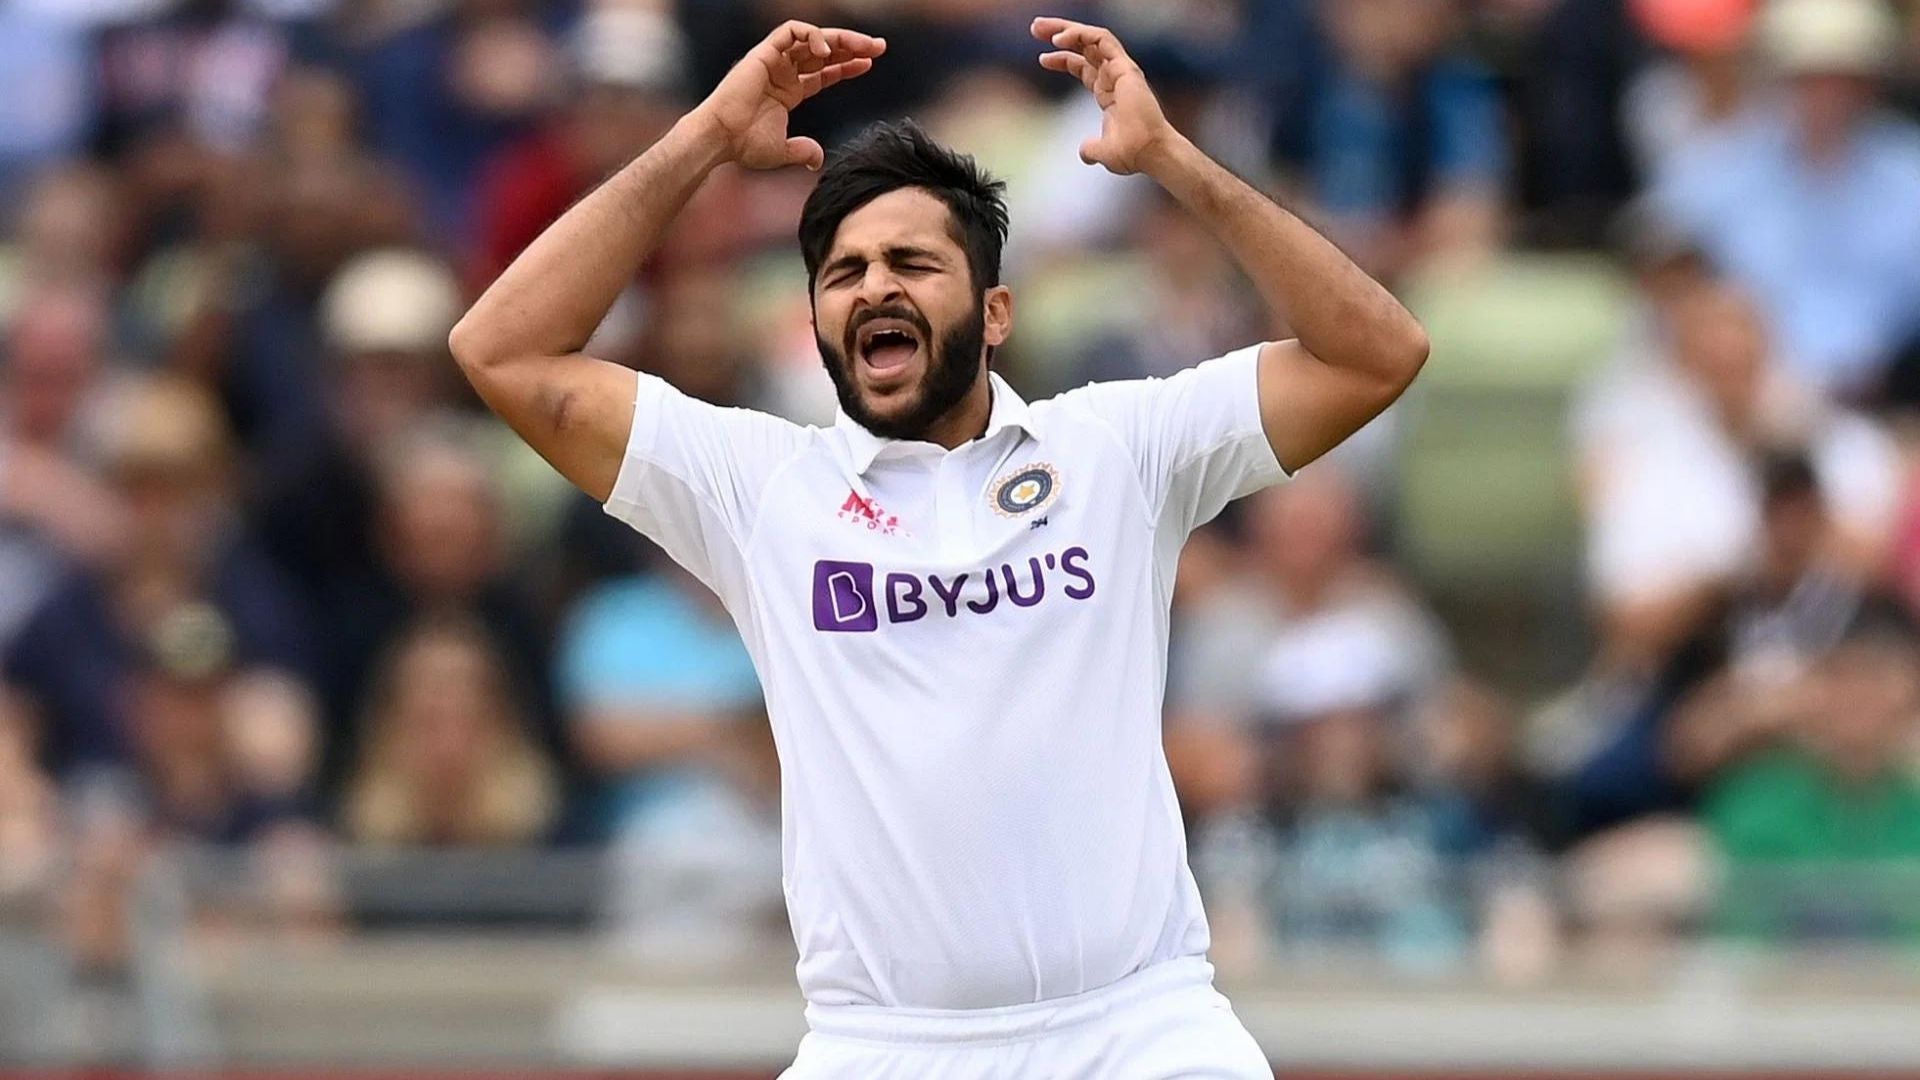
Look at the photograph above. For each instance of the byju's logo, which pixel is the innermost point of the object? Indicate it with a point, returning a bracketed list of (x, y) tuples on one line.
[(844, 597)]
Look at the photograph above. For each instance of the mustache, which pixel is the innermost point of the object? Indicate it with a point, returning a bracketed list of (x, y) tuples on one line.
[(891, 311)]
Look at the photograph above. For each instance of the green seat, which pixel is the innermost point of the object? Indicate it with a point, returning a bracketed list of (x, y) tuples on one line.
[(1486, 487)]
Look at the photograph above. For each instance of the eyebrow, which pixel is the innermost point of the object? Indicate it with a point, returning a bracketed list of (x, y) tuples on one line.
[(897, 253)]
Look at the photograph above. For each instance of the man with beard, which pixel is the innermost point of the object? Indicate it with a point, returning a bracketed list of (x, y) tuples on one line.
[(957, 601)]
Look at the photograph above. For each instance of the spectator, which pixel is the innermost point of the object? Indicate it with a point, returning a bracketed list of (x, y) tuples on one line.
[(1815, 206), (1669, 454), (227, 752), (384, 322), (52, 391), (445, 91), (438, 545), (166, 457), (1808, 819), (170, 460), (628, 72), (1703, 86), (69, 230), (447, 759), (1359, 862), (666, 710), (1398, 139)]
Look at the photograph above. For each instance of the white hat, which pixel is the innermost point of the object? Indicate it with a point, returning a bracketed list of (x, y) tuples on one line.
[(390, 301), (1841, 37)]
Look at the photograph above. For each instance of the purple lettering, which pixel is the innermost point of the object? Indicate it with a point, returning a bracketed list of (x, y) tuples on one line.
[(1067, 563), (896, 597), (993, 597), (949, 596), (1039, 584)]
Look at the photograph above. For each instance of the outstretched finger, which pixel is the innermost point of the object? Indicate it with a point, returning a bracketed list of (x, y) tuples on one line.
[(846, 44), (834, 73)]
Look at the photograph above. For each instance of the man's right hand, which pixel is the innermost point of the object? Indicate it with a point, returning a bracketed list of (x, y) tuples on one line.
[(748, 110)]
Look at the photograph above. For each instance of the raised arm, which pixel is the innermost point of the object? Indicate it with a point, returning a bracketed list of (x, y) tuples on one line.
[(1357, 348), (520, 344)]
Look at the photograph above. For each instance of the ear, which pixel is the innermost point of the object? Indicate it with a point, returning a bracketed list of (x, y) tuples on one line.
[(999, 313)]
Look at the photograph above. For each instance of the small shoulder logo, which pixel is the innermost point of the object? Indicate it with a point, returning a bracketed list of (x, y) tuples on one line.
[(1025, 490)]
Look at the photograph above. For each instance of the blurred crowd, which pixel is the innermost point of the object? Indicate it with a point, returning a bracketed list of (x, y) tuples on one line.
[(272, 581)]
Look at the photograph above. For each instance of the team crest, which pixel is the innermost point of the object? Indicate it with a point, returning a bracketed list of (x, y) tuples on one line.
[(1026, 490)]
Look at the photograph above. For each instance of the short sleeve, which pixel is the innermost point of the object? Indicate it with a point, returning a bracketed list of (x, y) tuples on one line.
[(692, 478), (1195, 438)]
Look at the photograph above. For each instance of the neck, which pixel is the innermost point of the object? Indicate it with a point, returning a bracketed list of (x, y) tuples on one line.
[(967, 420)]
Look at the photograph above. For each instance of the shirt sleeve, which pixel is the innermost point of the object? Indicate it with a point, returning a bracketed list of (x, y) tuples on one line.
[(692, 478), (1196, 438)]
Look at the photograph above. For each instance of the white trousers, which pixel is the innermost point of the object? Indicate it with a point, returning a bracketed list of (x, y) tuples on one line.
[(1164, 1022)]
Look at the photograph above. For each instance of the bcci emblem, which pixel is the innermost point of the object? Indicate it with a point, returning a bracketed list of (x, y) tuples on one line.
[(1026, 490)]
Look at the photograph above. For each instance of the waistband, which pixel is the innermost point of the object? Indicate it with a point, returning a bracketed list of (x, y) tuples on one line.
[(1010, 1023)]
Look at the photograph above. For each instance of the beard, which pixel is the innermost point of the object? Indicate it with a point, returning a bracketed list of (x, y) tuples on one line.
[(953, 364)]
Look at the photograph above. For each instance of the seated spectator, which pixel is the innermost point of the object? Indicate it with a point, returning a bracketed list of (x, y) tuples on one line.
[(1359, 865), (1821, 821), (1398, 140), (438, 544), (1702, 86), (1732, 685), (1304, 589), (384, 322), (666, 709), (447, 759), (627, 61), (1670, 454), (1815, 206), (68, 229), (226, 752), (446, 85), (169, 457), (168, 464)]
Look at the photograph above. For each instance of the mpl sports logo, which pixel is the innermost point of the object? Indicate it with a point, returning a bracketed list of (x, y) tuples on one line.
[(866, 510), (846, 601)]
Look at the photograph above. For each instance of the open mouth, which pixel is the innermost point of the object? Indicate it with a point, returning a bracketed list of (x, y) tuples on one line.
[(887, 345)]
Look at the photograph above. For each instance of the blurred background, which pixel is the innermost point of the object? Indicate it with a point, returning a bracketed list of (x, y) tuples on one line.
[(1568, 718)]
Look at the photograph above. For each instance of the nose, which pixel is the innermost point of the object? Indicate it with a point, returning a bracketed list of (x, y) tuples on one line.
[(879, 285)]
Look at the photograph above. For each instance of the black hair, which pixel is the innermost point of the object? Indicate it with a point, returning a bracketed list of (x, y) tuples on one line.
[(887, 156)]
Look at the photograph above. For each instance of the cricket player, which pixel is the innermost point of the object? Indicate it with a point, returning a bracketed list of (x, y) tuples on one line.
[(957, 600)]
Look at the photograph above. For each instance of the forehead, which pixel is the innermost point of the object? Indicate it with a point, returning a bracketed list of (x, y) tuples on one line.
[(904, 216)]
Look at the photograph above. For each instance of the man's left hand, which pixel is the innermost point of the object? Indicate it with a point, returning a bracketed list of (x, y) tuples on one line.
[(1132, 127)]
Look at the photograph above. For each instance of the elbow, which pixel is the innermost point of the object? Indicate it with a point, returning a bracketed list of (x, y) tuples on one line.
[(1411, 352), (468, 344)]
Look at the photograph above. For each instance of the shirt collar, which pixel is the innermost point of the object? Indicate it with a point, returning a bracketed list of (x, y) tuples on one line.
[(1009, 411)]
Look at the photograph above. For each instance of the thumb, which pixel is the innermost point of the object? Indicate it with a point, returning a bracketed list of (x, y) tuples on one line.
[(804, 151), (1090, 151)]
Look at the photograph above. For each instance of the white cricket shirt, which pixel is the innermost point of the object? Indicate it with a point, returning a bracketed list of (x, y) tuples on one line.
[(964, 654)]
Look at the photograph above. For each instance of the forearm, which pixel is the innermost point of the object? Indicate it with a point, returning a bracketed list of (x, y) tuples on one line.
[(1338, 313), (549, 301)]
